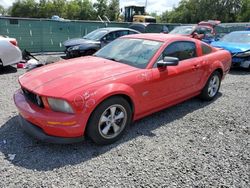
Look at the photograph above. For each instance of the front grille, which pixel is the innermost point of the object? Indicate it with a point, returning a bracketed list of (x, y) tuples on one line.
[(35, 99)]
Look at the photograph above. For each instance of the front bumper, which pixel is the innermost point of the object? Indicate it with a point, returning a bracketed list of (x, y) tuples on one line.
[(73, 53), (38, 133), (56, 125), (241, 62)]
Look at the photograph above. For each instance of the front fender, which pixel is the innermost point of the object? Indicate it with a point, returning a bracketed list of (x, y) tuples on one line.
[(110, 90)]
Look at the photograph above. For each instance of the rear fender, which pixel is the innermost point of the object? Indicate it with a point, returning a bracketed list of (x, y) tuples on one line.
[(217, 65)]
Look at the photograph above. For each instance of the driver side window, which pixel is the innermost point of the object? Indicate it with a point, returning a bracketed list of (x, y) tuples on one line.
[(182, 50), (110, 37)]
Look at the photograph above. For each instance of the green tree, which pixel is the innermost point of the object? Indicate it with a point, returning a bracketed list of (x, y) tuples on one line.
[(244, 15), (101, 7), (72, 10), (87, 11), (2, 10), (24, 8), (193, 11), (113, 10)]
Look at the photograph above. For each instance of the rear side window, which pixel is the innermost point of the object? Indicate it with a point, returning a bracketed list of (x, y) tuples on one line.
[(206, 49), (182, 50), (121, 33)]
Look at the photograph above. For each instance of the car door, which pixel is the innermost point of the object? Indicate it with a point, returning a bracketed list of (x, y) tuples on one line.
[(176, 82)]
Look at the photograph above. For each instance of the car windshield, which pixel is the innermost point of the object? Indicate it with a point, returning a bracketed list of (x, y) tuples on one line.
[(183, 30), (133, 52), (96, 35), (237, 38)]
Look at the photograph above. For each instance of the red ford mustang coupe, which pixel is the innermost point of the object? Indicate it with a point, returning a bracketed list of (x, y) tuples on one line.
[(132, 77)]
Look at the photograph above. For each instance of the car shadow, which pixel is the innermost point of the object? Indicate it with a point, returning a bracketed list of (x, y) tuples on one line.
[(7, 70), (239, 71), (33, 154)]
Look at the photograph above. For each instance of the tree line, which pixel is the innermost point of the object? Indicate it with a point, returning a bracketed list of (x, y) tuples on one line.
[(73, 9), (193, 11), (187, 11)]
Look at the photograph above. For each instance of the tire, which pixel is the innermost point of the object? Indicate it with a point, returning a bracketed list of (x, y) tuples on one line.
[(212, 87), (109, 121)]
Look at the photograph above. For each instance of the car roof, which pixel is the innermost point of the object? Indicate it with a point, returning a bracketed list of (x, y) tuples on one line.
[(159, 37), (110, 29)]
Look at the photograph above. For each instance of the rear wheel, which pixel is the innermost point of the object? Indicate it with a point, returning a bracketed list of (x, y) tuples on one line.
[(212, 86), (109, 120)]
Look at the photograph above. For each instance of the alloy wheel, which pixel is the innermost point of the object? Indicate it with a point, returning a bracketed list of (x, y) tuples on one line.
[(112, 121)]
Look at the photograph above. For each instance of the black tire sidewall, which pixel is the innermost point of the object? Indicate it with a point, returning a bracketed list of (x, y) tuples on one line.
[(92, 129)]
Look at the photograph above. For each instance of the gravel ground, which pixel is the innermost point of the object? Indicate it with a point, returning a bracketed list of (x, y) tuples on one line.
[(194, 144)]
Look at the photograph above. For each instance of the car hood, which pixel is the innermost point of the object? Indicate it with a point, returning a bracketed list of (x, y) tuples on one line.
[(232, 47), (60, 78), (79, 41)]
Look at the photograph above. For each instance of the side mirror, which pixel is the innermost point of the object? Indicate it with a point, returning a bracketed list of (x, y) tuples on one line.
[(168, 61)]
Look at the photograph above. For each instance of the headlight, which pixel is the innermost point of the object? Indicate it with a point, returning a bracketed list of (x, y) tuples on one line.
[(245, 54), (60, 105), (75, 47)]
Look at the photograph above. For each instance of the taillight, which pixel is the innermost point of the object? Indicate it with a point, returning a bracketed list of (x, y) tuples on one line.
[(14, 42)]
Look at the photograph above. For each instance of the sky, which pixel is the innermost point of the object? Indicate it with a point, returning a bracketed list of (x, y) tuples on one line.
[(157, 6)]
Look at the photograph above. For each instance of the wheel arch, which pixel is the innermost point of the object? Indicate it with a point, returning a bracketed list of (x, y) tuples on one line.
[(126, 97), (118, 90), (219, 69)]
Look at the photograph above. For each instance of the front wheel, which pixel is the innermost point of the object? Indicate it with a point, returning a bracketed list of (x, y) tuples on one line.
[(212, 87), (109, 121)]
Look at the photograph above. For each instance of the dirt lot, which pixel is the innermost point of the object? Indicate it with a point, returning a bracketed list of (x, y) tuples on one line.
[(194, 144)]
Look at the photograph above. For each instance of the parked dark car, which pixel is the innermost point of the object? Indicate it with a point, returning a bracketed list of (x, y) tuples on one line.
[(95, 40)]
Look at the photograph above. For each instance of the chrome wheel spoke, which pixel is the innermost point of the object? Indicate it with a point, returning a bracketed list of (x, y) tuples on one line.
[(112, 111), (104, 119), (106, 129), (214, 80), (209, 90), (115, 127), (119, 116)]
